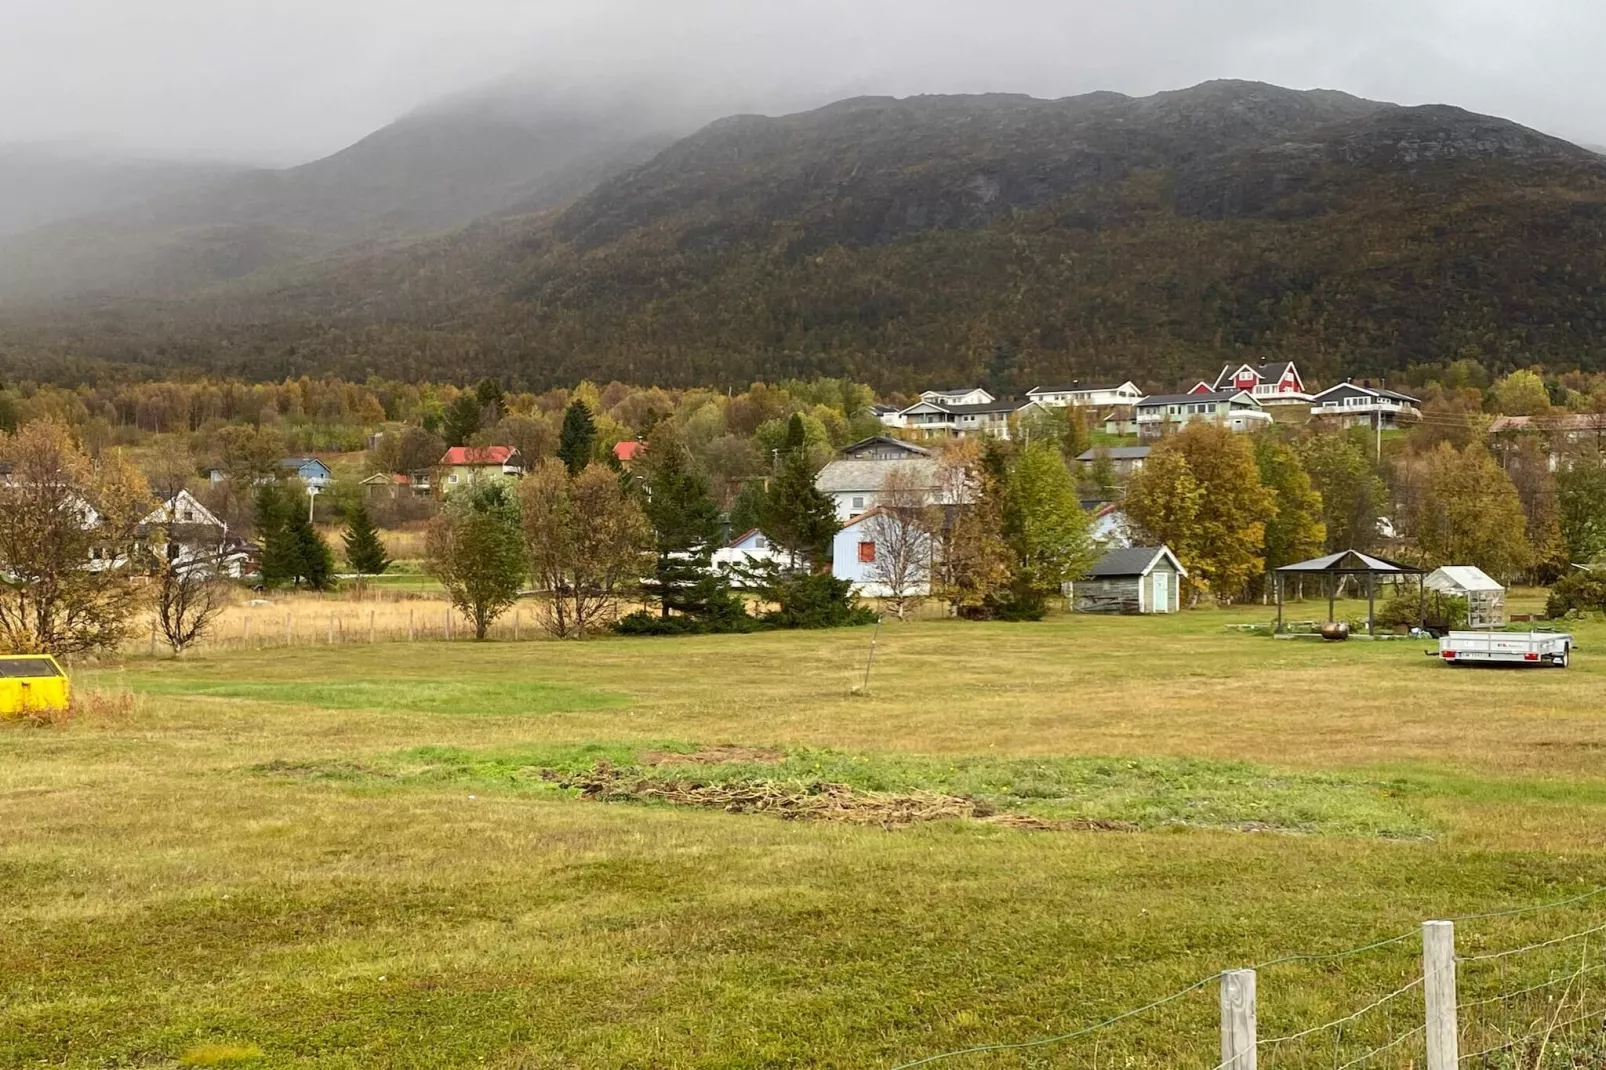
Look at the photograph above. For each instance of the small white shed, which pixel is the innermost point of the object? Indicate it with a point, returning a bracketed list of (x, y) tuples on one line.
[(1137, 579), (1486, 599)]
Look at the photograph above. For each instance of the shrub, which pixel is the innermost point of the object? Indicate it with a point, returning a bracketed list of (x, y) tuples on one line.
[(817, 600), (1443, 611), (643, 622), (1579, 592)]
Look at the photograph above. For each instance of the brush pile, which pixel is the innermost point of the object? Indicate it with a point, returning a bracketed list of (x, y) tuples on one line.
[(807, 801)]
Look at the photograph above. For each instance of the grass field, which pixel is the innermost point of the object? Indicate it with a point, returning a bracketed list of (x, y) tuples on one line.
[(442, 855)]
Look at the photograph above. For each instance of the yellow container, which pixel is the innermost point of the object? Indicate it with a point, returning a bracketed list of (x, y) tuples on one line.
[(32, 682)]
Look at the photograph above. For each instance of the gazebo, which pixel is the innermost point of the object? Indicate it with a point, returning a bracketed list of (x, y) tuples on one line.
[(1350, 563)]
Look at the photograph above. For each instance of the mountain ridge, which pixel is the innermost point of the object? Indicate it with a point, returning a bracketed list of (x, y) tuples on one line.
[(997, 237)]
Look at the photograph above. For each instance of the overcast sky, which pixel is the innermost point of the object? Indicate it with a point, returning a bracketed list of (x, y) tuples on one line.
[(282, 81)]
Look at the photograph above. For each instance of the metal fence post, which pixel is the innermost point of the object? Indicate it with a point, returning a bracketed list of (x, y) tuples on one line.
[(1438, 993), (1238, 1014)]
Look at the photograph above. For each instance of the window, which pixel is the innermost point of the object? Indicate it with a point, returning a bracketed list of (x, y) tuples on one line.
[(452, 478), (761, 543), (866, 553), (858, 501)]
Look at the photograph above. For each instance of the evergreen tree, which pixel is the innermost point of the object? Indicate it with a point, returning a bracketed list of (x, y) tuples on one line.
[(489, 394), (687, 528), (577, 442), (795, 516), (315, 562), (461, 420), (365, 551), (745, 508), (279, 557)]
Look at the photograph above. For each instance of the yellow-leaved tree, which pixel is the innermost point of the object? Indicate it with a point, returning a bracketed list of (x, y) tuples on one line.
[(1200, 493)]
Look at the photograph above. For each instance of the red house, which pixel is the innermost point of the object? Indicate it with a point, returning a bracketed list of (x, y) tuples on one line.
[(1270, 384)]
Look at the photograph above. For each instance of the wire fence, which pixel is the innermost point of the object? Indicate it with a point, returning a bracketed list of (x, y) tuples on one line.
[(1526, 991)]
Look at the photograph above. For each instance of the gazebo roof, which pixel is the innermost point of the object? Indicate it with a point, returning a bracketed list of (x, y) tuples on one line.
[(1352, 562)]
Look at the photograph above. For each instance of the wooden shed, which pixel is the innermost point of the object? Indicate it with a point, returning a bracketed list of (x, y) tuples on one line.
[(1136, 579), (1486, 599)]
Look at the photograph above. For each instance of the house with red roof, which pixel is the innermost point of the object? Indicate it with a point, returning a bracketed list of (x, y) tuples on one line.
[(462, 465), (628, 450)]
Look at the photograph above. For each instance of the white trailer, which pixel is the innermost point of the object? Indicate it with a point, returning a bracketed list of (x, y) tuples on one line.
[(1534, 649)]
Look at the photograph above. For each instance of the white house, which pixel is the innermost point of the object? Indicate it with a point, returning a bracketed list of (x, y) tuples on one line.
[(1236, 410), (974, 395), (859, 554), (1355, 404), (1080, 393), (747, 549), (195, 538), (1271, 384), (1127, 461), (961, 420)]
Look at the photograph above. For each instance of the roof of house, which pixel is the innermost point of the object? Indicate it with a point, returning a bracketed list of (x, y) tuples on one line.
[(388, 479), (1194, 399), (1076, 386), (297, 463), (468, 456), (847, 475), (628, 450), (956, 393), (885, 440), (1115, 453), (982, 407), (1133, 561), (1267, 372), (1462, 577), (743, 537), (1374, 391)]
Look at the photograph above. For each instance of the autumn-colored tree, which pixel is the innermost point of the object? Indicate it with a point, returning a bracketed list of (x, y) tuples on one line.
[(903, 545), (475, 551), (1296, 532), (971, 560), (1353, 495), (588, 545), (1527, 465), (1223, 541), (69, 544), (1522, 393), (1469, 514)]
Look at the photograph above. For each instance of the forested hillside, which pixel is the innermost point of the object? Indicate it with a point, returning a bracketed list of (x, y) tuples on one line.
[(993, 238)]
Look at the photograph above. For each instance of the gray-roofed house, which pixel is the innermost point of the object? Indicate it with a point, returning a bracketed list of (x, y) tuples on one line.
[(857, 485), (883, 448), (1236, 410), (1136, 579), (1278, 383), (1358, 404), (1125, 460), (1099, 395), (961, 420)]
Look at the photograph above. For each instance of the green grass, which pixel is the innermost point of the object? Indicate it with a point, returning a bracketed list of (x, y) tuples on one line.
[(413, 694), (347, 856)]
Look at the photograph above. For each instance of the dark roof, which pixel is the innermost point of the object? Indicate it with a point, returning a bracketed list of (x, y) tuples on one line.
[(1128, 561), (979, 408), (1184, 399), (886, 440), (1076, 386), (1116, 453), (300, 462), (1372, 391), (1349, 562), (1272, 372)]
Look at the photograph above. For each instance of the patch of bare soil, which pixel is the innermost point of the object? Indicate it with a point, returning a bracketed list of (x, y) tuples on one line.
[(817, 801), (714, 756)]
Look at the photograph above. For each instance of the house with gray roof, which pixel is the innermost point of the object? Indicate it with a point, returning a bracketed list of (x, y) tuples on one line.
[(1236, 410), (1125, 460), (1133, 579), (859, 485)]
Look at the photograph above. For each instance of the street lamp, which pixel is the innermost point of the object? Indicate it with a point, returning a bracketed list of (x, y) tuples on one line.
[(312, 498)]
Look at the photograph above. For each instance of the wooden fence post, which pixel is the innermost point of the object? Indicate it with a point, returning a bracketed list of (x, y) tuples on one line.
[(331, 629), (1238, 1014), (515, 625), (289, 631), (245, 631), (153, 638), (409, 624), (370, 626), (1438, 993), (446, 626)]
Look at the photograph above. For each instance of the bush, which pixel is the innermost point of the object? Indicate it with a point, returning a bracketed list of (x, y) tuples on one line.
[(1018, 602), (1444, 611), (817, 600), (643, 622), (1580, 592)]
